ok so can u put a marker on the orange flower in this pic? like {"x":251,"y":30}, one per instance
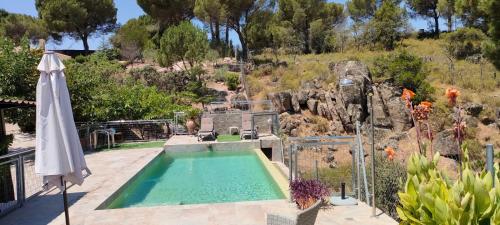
{"x":390,"y":152}
{"x":407,"y":95}
{"x":452,"y":95}
{"x":426,"y":104}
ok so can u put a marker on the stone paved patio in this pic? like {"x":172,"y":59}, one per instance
{"x":113,"y":168}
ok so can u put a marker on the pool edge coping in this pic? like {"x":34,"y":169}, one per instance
{"x":278,"y":177}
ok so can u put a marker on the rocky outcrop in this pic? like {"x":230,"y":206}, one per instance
{"x":347,"y":102}
{"x":389,"y":110}
{"x":282,"y":101}
{"x":445,"y":143}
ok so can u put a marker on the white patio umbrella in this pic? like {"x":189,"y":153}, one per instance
{"x":59,"y":155}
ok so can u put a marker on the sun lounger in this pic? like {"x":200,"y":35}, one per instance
{"x":247,"y":131}
{"x":207,"y":131}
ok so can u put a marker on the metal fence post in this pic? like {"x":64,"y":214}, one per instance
{"x":290,"y":163}
{"x":489,"y":161}
{"x":316,"y":169}
{"x":353,"y":158}
{"x":295,"y":152}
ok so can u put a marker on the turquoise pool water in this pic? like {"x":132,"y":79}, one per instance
{"x":199,"y":177}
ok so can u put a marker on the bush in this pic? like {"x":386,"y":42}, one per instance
{"x":406,"y":70}
{"x":220,"y":74}
{"x":232,"y":81}
{"x":464,"y":42}
{"x":388,"y":178}
{"x":429,"y":197}
{"x":18,"y":79}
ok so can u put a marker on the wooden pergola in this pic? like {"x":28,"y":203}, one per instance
{"x":11,"y":103}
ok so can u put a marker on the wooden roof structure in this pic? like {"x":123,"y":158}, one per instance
{"x":14,"y":103}
{"x":11,"y":103}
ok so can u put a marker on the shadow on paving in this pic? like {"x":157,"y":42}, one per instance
{"x":41,"y":209}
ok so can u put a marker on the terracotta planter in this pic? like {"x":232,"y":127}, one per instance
{"x":191,"y":126}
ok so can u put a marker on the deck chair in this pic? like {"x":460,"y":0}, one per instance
{"x":247,"y":131}
{"x":306,"y":217}
{"x":207,"y":131}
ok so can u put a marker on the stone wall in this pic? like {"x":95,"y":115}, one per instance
{"x":222,"y":122}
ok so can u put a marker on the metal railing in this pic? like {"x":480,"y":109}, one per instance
{"x":18,"y":180}
{"x":107,"y":134}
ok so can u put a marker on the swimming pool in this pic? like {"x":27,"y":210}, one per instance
{"x":198,"y":177}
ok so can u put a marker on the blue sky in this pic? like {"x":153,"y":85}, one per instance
{"x":127,"y":9}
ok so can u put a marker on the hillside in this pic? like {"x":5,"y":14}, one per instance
{"x":479,"y":90}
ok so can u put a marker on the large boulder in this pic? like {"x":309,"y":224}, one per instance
{"x":445,"y":144}
{"x":282,"y":101}
{"x":323,"y":110}
{"x":312,"y":105}
{"x":389,"y":110}
{"x":473,"y":109}
{"x":357,"y":74}
{"x":295,"y":102}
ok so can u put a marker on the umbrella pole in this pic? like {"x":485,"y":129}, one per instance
{"x":65,"y":198}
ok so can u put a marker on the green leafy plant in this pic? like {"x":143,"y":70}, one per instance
{"x":232,"y":81}
{"x":7,"y":193}
{"x":406,"y":70}
{"x":464,"y":42}
{"x":429,"y":197}
{"x":388,"y":180}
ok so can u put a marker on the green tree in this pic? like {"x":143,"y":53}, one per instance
{"x":168,"y":12}
{"x":240,"y":13}
{"x":16,"y":26}
{"x":258,"y":30}
{"x":18,"y":78}
{"x":134,"y":36}
{"x":138,"y":30}
{"x":389,"y":24}
{"x":473,"y":13}
{"x":492,"y":47}
{"x":185,"y":43}
{"x":464,"y":42}
{"x":361,"y":10}
{"x":426,"y":8}
{"x":212,"y":13}
{"x":301,"y":13}
{"x":79,"y":19}
{"x":447,"y":9}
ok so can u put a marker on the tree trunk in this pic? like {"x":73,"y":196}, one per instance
{"x":85,"y":42}
{"x":436,"y":23}
{"x":217,"y":32}
{"x":307,"y":48}
{"x":450,"y":23}
{"x":241,"y":36}
{"x":212,"y":30}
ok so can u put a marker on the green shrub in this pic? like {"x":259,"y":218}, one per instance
{"x":232,"y":81}
{"x":18,"y":79}
{"x":388,"y":178}
{"x":429,"y":197}
{"x":406,"y":70}
{"x":464,"y":42}
{"x":7,"y":194}
{"x":220,"y":74}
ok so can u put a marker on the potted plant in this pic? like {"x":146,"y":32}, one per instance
{"x":306,"y":193}
{"x":192,"y":116}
